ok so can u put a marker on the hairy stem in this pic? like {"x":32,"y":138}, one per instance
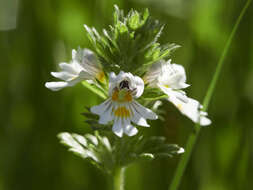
{"x":194,"y":135}
{"x":118,"y":178}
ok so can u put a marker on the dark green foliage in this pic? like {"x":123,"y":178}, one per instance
{"x":130,"y":44}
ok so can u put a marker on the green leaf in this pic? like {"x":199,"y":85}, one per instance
{"x":134,"y":20}
{"x":107,"y":154}
{"x":130,"y":44}
{"x":94,"y":148}
{"x":163,"y":155}
{"x":147,"y":156}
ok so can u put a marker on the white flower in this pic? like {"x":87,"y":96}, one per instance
{"x":167,"y":74}
{"x":121,"y":107}
{"x":171,"y":78}
{"x":84,"y":66}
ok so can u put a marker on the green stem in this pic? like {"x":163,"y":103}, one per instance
{"x":95,"y":90}
{"x":118,"y":178}
{"x":194,"y":135}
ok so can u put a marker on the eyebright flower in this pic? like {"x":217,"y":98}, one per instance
{"x":83,"y":66}
{"x":171,"y":78}
{"x":121,"y":107}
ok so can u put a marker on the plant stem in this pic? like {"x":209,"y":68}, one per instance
{"x":194,"y":135}
{"x":118,"y":178}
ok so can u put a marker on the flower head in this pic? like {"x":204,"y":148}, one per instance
{"x":166,"y":74}
{"x":171,"y":78}
{"x":83,"y":66}
{"x":121,"y":107}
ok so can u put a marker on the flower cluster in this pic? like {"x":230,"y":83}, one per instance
{"x":127,"y":64}
{"x":124,"y":88}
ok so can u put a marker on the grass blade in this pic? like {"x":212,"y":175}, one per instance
{"x":194,"y":135}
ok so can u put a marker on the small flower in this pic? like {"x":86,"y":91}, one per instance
{"x":121,"y":107}
{"x":166,"y":74}
{"x":84,"y":66}
{"x":171,"y":78}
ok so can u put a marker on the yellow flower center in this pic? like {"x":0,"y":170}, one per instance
{"x":122,"y":96}
{"x":122,"y":112}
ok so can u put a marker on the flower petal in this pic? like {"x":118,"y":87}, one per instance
{"x":151,"y":77}
{"x":192,"y":111}
{"x":90,"y":57}
{"x":85,"y":75}
{"x":106,"y":116}
{"x":74,"y":54}
{"x":172,"y":75}
{"x":112,"y":82}
{"x":204,"y":121}
{"x":179,"y":69}
{"x":100,"y":109}
{"x":137,"y":117}
{"x":89,"y":61}
{"x":118,"y":127}
{"x":138,"y":84}
{"x":167,"y":74}
{"x":188,"y":107}
{"x":129,"y":129}
{"x":55,"y":86}
{"x":63,"y":75}
{"x":144,"y":112}
{"x":69,"y":68}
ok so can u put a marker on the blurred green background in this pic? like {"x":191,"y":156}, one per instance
{"x":36,"y":35}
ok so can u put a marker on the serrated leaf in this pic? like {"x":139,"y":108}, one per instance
{"x":164,"y":148}
{"x":145,"y":16}
{"x":80,"y":139}
{"x":103,"y":154}
{"x":131,"y":42}
{"x":163,"y":155}
{"x":91,"y":139}
{"x":89,"y":115}
{"x":147,"y":156}
{"x":134,"y":20}
{"x":67,"y":140}
{"x":122,"y":28}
